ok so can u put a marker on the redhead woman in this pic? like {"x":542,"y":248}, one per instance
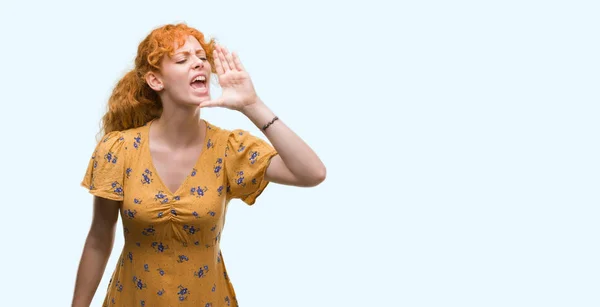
{"x":170,"y":174}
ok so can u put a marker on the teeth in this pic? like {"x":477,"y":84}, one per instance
{"x":199,"y":78}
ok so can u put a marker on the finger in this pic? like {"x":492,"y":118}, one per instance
{"x":237,"y":62}
{"x":229,"y":58}
{"x":218,"y":64}
{"x":224,"y":62}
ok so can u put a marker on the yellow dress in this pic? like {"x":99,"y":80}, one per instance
{"x":171,"y":254}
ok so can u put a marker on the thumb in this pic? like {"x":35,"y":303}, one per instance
{"x":211,"y":103}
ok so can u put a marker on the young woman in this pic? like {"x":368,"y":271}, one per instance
{"x":170,"y":174}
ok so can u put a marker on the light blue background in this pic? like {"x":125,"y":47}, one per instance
{"x":460,"y":137}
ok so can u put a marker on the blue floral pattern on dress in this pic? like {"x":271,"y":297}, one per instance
{"x":171,"y":255}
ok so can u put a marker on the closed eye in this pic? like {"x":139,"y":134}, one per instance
{"x":183,"y":61}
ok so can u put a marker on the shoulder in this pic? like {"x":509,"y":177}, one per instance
{"x":233,"y":138}
{"x":122,"y":137}
{"x":219,"y":134}
{"x":133,"y":133}
{"x":110,"y":140}
{"x":118,"y":141}
{"x":216,"y":131}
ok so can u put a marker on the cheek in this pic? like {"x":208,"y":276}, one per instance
{"x":177,"y":79}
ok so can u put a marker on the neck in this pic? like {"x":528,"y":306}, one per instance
{"x":179,"y":127}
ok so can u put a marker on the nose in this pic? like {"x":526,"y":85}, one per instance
{"x":198,"y":62}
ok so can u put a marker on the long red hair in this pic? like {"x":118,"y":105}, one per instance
{"x":133,"y":103}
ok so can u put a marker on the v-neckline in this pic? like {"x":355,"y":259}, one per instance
{"x":185,"y":180}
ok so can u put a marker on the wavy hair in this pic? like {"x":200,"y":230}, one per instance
{"x":133,"y":103}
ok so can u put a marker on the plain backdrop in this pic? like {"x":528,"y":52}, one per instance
{"x":460,"y":139}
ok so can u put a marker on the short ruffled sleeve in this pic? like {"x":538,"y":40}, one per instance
{"x":246,"y":160}
{"x":105,"y":172}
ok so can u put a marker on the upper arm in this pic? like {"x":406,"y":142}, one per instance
{"x":278,"y":172}
{"x":105,"y":216}
{"x":104,"y":178}
{"x":105,"y":174}
{"x":246,"y":159}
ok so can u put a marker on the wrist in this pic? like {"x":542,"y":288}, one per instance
{"x":254,"y":107}
{"x":258,"y":113}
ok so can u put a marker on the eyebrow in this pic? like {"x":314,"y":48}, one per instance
{"x":187,"y":52}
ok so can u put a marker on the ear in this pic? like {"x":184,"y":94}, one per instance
{"x":154,"y":81}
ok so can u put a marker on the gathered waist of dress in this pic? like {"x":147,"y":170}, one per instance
{"x":169,"y":247}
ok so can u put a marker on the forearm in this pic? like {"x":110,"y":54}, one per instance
{"x":298,"y":157}
{"x":91,"y":268}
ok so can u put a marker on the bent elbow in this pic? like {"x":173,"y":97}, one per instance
{"x":319,"y":177}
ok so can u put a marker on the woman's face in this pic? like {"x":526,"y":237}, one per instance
{"x":185,"y":75}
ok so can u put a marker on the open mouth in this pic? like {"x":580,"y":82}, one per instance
{"x":199,"y":82}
